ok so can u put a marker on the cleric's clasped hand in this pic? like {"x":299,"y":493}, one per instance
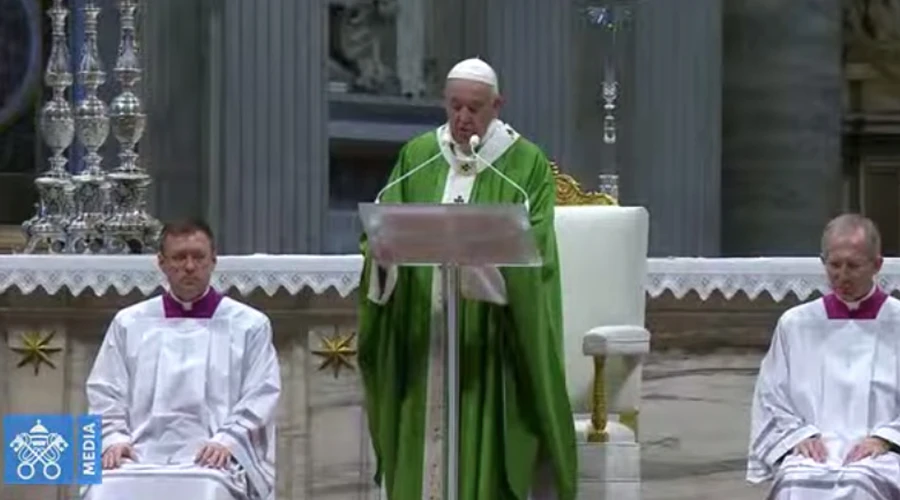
{"x":213,"y":455}
{"x":812,"y":447}
{"x":116,"y":454}
{"x":870,"y":447}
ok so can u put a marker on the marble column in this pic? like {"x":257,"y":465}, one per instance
{"x":675,"y":145}
{"x":528,"y":42}
{"x":454,"y":30}
{"x":268,"y":143}
{"x":782,"y":125}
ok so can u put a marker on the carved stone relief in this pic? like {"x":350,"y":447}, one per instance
{"x":377,"y":47}
{"x":872,"y":34}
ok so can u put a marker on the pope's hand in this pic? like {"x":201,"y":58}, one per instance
{"x":213,"y":455}
{"x":814,"y":448}
{"x":868,"y":447}
{"x":114,"y":455}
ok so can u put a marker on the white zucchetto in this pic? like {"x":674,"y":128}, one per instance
{"x":475,"y":70}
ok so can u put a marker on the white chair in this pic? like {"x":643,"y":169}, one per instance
{"x":603,"y":264}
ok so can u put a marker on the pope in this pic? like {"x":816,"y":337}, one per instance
{"x":517,"y":437}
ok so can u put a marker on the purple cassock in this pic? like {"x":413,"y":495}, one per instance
{"x":202,"y":308}
{"x":867,"y":308}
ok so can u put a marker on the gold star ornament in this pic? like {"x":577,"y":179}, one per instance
{"x":36,"y":350}
{"x":336,"y":352}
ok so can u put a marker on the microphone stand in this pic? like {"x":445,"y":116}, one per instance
{"x":474,"y":141}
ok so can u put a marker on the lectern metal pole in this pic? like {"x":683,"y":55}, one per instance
{"x":450,"y":280}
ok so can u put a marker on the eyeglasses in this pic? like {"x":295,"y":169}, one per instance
{"x":183,"y":259}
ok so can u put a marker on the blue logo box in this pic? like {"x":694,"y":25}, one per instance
{"x":53,"y":449}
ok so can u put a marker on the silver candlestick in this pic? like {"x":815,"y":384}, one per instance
{"x":46,"y":230}
{"x":92,"y":128}
{"x":610,"y":93}
{"x":609,"y":185}
{"x":610,"y":20}
{"x":129,"y":228}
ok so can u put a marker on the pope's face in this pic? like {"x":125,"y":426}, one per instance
{"x":851,"y":265}
{"x":470,"y":106}
{"x":188,"y":261}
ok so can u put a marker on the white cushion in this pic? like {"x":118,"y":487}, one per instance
{"x":603,"y":264}
{"x":617,"y":340}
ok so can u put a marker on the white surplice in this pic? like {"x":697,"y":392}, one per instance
{"x":838,"y":378}
{"x":170,"y":385}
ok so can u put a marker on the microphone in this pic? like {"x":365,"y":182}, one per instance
{"x":474,"y":142}
{"x":400,"y":179}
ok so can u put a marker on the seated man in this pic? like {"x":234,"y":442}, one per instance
{"x":186,"y":384}
{"x":826,"y":410}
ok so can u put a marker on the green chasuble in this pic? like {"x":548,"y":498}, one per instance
{"x":514,"y":403}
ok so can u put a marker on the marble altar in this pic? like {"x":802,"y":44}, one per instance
{"x":710,"y":320}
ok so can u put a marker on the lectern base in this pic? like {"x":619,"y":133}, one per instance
{"x":450,"y":235}
{"x":450,"y":283}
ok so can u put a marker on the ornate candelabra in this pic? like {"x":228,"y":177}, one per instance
{"x":129,"y":227}
{"x":92,"y":129}
{"x":93,"y":211}
{"x":46,"y":231}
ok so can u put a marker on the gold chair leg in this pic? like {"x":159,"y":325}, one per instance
{"x":598,"y":432}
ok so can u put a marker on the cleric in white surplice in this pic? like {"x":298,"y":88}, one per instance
{"x":826,"y":409}
{"x":187,"y":384}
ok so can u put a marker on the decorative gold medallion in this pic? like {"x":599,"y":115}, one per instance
{"x":36,"y":350}
{"x":336,"y":352}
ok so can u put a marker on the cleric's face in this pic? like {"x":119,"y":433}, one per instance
{"x":851,"y":266}
{"x":470,"y":106}
{"x":187,"y":261}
